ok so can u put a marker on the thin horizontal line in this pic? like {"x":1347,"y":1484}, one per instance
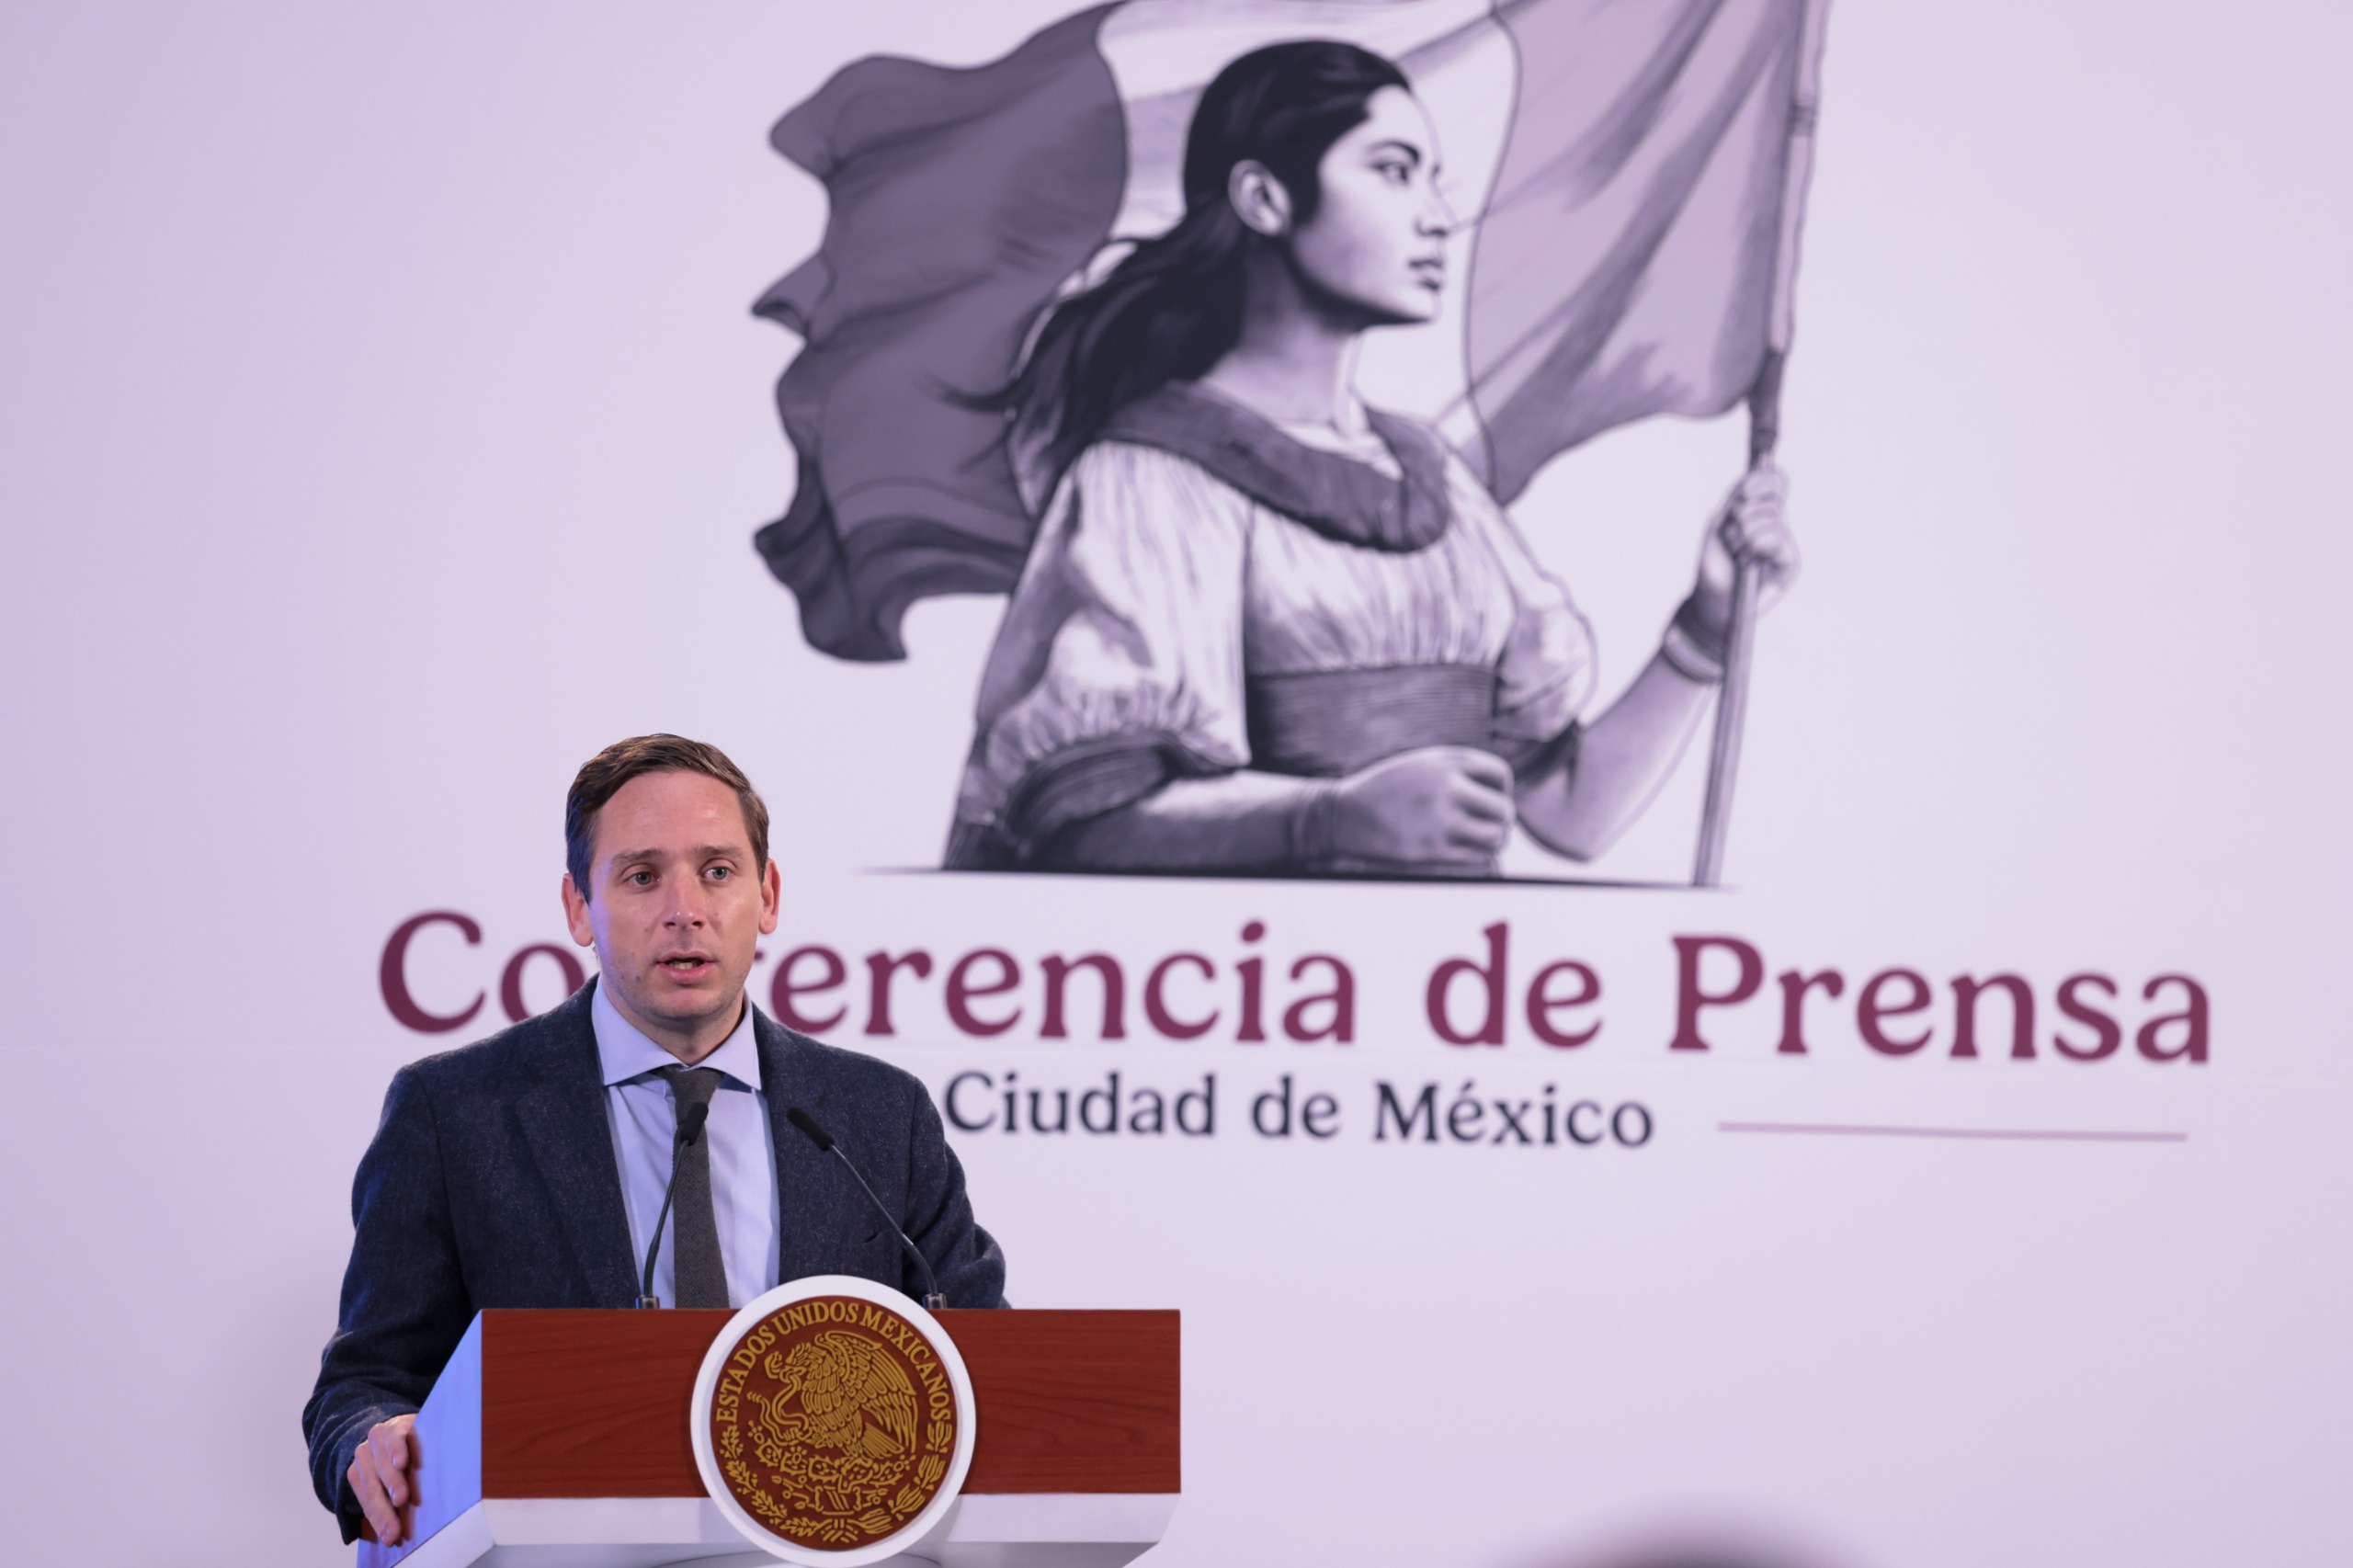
{"x":1332,"y":878}
{"x":2013,"y":1134}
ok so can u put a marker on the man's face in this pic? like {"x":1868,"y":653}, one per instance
{"x":676,"y":903}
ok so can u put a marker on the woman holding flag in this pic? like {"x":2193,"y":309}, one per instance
{"x":1263,"y":627}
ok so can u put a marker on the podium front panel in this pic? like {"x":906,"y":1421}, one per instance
{"x":561,"y":1437}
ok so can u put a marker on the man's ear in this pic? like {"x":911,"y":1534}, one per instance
{"x":575,"y":914}
{"x":771,"y":897}
{"x":1260,"y":198}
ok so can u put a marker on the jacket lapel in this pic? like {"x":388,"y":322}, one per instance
{"x":564,"y":1121}
{"x":813,"y":1220}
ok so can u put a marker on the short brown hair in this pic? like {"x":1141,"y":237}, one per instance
{"x":601,"y":776}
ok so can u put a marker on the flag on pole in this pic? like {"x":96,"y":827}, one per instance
{"x":1618,"y":168}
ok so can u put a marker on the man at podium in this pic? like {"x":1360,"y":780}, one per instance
{"x":531,"y":1169}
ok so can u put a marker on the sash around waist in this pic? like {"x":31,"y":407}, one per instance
{"x":1320,"y":723}
{"x":1324,"y":724}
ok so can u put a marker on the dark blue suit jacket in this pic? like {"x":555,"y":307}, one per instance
{"x":492,"y":1182}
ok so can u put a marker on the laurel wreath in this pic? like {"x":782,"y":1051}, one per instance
{"x":798,"y":1517}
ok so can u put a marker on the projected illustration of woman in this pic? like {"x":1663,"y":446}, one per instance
{"x":1263,"y":627}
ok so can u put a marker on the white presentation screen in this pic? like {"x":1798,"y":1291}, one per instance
{"x":1616,"y":729}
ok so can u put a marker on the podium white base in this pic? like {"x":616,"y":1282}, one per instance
{"x":981,"y":1530}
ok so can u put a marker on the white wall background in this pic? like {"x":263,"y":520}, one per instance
{"x":383,"y":430}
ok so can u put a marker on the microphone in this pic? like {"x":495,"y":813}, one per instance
{"x":825,"y":1142}
{"x":690,"y":1122}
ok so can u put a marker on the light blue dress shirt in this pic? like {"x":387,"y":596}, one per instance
{"x":742,"y":1152}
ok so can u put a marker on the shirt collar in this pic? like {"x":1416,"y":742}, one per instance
{"x":623,"y":1052}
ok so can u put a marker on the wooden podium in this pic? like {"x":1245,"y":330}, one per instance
{"x":559,"y":1440}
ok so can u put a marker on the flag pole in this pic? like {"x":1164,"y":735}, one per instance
{"x":1764,"y":433}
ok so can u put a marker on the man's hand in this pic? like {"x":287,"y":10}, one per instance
{"x":381,"y":1474}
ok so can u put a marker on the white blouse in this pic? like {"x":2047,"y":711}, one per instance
{"x":1154,"y":588}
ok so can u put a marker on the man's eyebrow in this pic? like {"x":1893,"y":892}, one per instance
{"x":700,"y":852}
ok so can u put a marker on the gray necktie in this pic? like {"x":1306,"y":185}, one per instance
{"x":700,"y":1278}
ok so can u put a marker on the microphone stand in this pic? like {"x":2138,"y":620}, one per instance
{"x":932,"y":1297}
{"x":689,"y":1129}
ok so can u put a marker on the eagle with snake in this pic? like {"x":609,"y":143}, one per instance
{"x":852,"y":1395}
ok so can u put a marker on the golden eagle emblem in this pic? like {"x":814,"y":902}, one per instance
{"x":833,"y":1423}
{"x":852,"y":1396}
